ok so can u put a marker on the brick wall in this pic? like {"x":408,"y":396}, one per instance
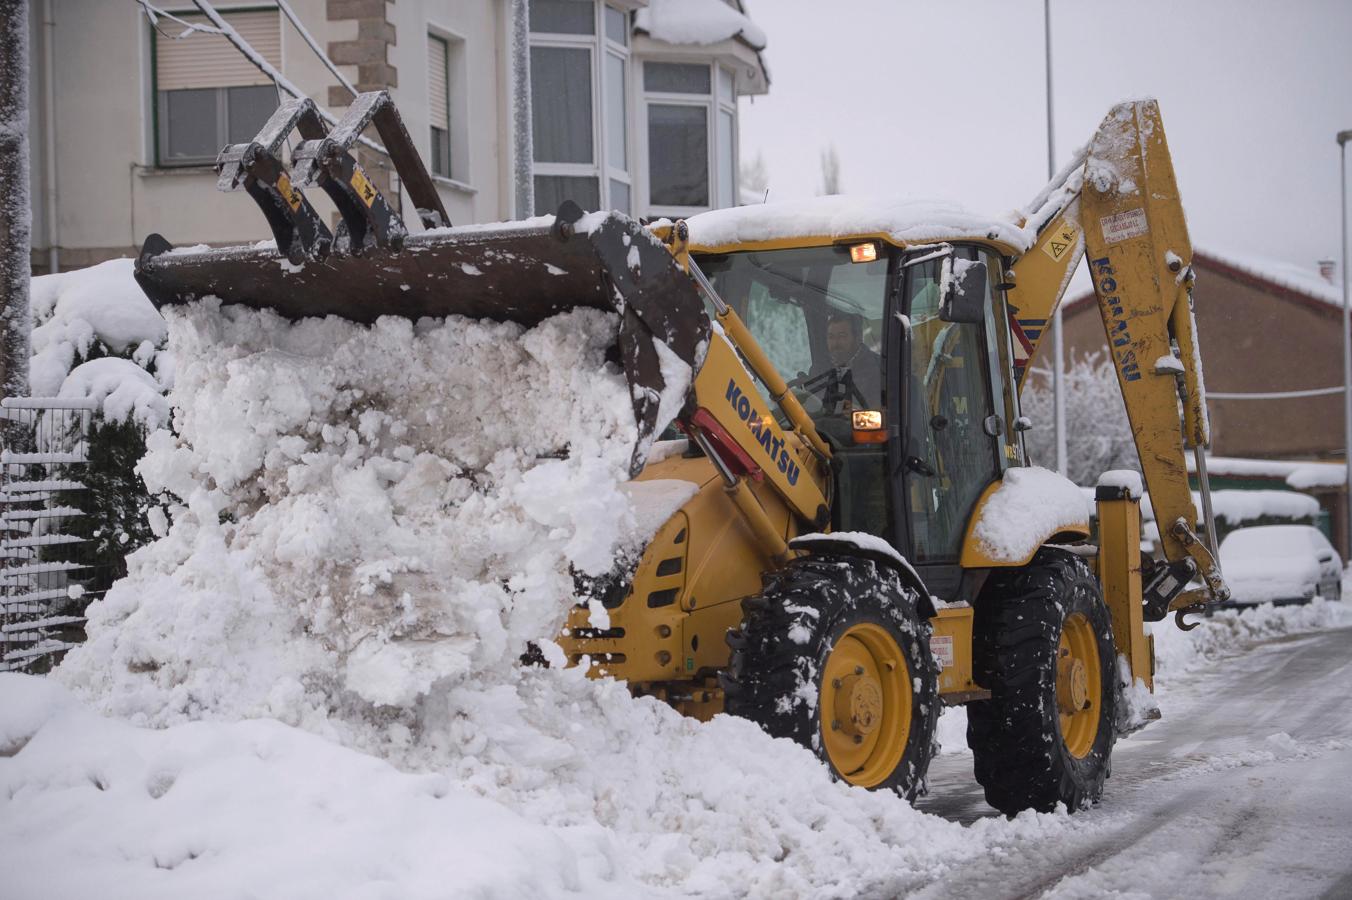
{"x":369,"y":52}
{"x":1254,"y":337}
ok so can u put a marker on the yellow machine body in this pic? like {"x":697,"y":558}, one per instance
{"x":1118,"y":206}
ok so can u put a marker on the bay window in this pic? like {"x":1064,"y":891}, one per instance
{"x":579,"y":59}
{"x":691,"y":136}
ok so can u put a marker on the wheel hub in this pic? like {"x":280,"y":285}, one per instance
{"x":1072,"y":685}
{"x":861,"y":696}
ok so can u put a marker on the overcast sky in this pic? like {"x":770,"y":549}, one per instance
{"x":947,"y":100}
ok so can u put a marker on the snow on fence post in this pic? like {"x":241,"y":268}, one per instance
{"x":46,"y":563}
{"x":15,"y":213}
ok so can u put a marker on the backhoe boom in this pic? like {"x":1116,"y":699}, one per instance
{"x":1118,"y":203}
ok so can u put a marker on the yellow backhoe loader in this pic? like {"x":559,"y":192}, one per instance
{"x":840,"y":379}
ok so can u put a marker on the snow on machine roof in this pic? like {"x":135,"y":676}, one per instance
{"x":836,"y":218}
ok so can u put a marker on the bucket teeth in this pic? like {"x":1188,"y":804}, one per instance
{"x":297,"y":228}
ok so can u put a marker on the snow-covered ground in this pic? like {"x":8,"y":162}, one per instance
{"x":309,"y":685}
{"x":621,"y":798}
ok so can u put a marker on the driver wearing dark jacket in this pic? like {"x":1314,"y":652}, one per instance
{"x":857,"y":370}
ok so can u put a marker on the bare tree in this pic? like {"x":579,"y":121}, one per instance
{"x":15,"y":210}
{"x":830,"y":171}
{"x":1098,"y":434}
{"x":754,"y":177}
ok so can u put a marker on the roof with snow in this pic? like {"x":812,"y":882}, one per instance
{"x":1299,"y":474}
{"x":1301,"y":283}
{"x":706,"y":23}
{"x":698,"y":22}
{"x":844,"y":217}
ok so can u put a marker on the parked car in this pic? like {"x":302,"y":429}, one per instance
{"x":1280,"y":564}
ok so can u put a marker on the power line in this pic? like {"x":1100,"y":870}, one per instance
{"x":1274,"y":395}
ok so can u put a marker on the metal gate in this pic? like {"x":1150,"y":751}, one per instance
{"x":46,"y":559}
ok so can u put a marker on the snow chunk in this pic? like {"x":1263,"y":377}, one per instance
{"x":700,"y":22}
{"x":1031,"y":504}
{"x":123,"y":390}
{"x":655,"y":501}
{"x":1168,"y":364}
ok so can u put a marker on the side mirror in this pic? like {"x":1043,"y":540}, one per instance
{"x":963,"y":286}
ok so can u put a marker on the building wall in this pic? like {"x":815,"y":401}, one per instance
{"x":1254,"y":340}
{"x":111,"y":194}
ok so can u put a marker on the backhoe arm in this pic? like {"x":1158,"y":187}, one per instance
{"x":1121,"y":209}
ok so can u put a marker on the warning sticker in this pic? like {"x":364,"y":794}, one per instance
{"x":1124,"y":225}
{"x":1061,"y":240}
{"x":941,"y":645}
{"x":365,"y":190}
{"x":289,"y":193}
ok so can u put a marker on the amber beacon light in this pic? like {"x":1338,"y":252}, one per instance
{"x":867,"y":425}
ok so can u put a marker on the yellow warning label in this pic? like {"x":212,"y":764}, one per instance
{"x":362,"y":185}
{"x":289,"y":193}
{"x":1060,"y":240}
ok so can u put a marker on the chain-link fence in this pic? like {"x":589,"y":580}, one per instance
{"x":49,"y":570}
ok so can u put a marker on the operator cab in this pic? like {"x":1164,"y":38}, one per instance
{"x":897,"y":357}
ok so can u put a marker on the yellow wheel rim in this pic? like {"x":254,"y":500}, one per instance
{"x":1079,"y":685}
{"x":865,"y":705}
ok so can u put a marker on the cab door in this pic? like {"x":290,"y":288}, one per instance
{"x":953,"y":434}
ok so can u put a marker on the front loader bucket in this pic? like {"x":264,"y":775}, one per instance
{"x":523,"y":273}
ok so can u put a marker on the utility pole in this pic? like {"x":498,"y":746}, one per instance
{"x":1058,"y":340}
{"x":16,"y":217}
{"x":1343,"y":138}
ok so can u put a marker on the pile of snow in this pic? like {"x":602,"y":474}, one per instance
{"x":362,"y":513}
{"x":368,"y":530}
{"x":75,"y":311}
{"x":1229,"y":632}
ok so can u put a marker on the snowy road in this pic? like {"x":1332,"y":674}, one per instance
{"x":1243,"y":789}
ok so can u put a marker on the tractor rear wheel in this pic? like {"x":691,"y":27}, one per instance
{"x":1043,"y":645}
{"x":834,"y":655}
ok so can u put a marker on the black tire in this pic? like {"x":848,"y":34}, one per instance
{"x":808,"y":620}
{"x":1021,"y":756}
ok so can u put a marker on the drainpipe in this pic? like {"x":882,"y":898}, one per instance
{"x":523,"y":149}
{"x":49,"y":134}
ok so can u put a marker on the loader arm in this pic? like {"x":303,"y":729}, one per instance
{"x":1117,"y":203}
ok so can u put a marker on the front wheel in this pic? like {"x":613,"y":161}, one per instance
{"x":834,"y":655}
{"x":1044,"y":647}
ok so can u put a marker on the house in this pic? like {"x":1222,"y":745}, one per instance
{"x":515,"y":105}
{"x":1264,"y":327}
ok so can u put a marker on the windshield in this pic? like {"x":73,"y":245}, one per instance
{"x":817,"y":315}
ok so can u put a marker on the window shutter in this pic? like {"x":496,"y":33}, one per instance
{"x":210,"y":60}
{"x":438,"y":105}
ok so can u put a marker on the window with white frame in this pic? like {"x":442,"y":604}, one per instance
{"x":691,"y":136}
{"x":439,"y":103}
{"x":207,"y":94}
{"x":579,"y":65}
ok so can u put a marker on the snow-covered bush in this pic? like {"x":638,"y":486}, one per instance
{"x":97,"y":337}
{"x":1098,"y":435}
